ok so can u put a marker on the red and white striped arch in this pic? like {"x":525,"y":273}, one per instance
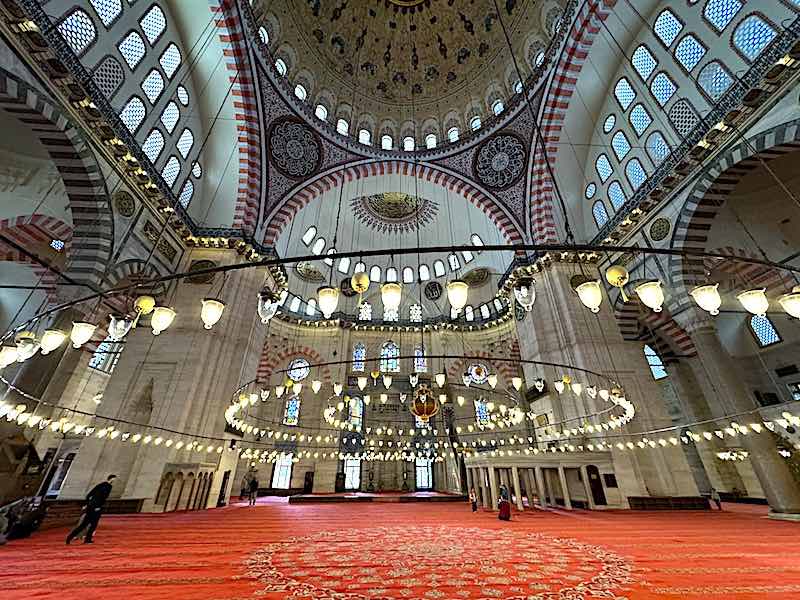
{"x":272,"y":360}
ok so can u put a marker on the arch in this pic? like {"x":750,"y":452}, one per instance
{"x":135,"y":269}
{"x":584,"y":30}
{"x":236,"y":52}
{"x":506,"y":370}
{"x":291,"y":204}
{"x":88,"y":201}
{"x":272,"y":359}
{"x":708,"y":196}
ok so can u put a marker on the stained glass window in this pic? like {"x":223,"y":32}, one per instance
{"x":153,"y":145}
{"x":183,"y":95}
{"x":186,"y":193}
{"x":635,"y":173}
{"x":170,"y":60}
{"x":624,"y":93}
{"x":662,"y":88}
{"x":600,"y":213}
{"x":591,"y":190}
{"x":764,"y":330}
{"x":657,"y":147}
{"x":714,"y":80}
{"x":359,"y":356}
{"x":420,"y":361}
{"x":482,"y":417}
{"x":153,"y":24}
{"x":752,"y":35}
{"x":107,"y":10}
{"x":171,"y":170}
{"x":106,"y":357}
{"x":197,"y":170}
{"x":609,"y":123}
{"x":78,"y":30}
{"x":603,"y":167}
{"x":644,"y":62}
{"x":640,"y":119}
{"x":153,"y":85}
{"x":132,"y":49}
{"x":620,"y":145}
{"x":170,"y":116}
{"x":656,"y":365}
{"x":667,"y":27}
{"x":720,"y":13}
{"x":292,"y":415}
{"x":133,"y":114}
{"x":185,"y":143}
{"x":689,"y":52}
{"x":390,"y":357}
{"x":616,"y":195}
{"x":298,"y":369}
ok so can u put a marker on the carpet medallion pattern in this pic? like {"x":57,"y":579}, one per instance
{"x":402,"y":562}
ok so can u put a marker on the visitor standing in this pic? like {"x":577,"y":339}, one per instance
{"x":253,"y":490}
{"x":95,"y":502}
{"x":716,"y":499}
{"x":473,"y":500}
{"x":504,"y":505}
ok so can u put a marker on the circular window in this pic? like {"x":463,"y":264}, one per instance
{"x":298,"y":369}
{"x":478,"y":373}
{"x":591,"y":189}
{"x":659,"y":229}
{"x":611,"y":120}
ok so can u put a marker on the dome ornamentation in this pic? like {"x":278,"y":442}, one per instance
{"x":394,"y":212}
{"x":295,"y":150}
{"x":501,"y":161}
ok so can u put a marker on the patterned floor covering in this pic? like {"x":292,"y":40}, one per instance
{"x":413,"y":551}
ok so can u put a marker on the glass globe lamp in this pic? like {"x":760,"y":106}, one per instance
{"x":81,"y":333}
{"x":52,"y":339}
{"x":525,"y":294}
{"x":591,"y":295}
{"x":707,"y":298}
{"x":651,"y":294}
{"x":211,"y":312}
{"x":391,"y":294}
{"x":327,"y":300}
{"x":162,"y":318}
{"x":791,"y":302}
{"x":754,"y":301}
{"x":457,"y":293}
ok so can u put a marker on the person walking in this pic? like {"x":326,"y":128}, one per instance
{"x":253,"y":490}
{"x":716,"y":499}
{"x":473,"y":500}
{"x":95,"y":502}
{"x":504,"y":506}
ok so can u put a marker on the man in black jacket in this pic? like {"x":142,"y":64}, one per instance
{"x":95,"y":501}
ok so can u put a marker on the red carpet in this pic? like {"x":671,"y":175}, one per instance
{"x":414,"y":551}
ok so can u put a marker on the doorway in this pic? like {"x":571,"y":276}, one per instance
{"x":596,"y":485}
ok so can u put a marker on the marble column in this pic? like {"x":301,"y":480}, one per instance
{"x":540,"y":487}
{"x":587,"y":487}
{"x":530,"y":486}
{"x":719,"y":376}
{"x":562,"y":478}
{"x":517,"y":489}
{"x":469,"y":481}
{"x":493,"y":487}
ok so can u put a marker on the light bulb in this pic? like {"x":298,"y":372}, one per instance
{"x":440,"y":379}
{"x":754,"y":301}
{"x":327,"y":300}
{"x":413,"y":379}
{"x":517,"y":383}
{"x":791,"y":302}
{"x":52,"y":339}
{"x":492,"y":380}
{"x":367,"y":399}
{"x":591,"y":295}
{"x":559,"y":385}
{"x":442,"y":398}
{"x":81,"y":333}
{"x":279,"y":389}
{"x":337,"y":389}
{"x":297,"y":388}
{"x":707,"y":298}
{"x":466,"y":378}
{"x":651,"y":294}
{"x":316,"y":385}
{"x":525,"y":294}
{"x":362,"y":382}
{"x":161,"y":319}
{"x":577,"y":388}
{"x":267,"y":305}
{"x":391,"y":294}
{"x":460,"y":400}
{"x":119,"y":327}
{"x":384,"y":398}
{"x":387,"y":381}
{"x":8,"y":355}
{"x":457,"y":293}
{"x":210,"y":313}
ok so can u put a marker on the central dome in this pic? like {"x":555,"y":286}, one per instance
{"x":450,"y":56}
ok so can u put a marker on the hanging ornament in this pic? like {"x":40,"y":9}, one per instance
{"x":391,"y":294}
{"x":440,"y":379}
{"x":327,"y":300}
{"x":754,"y":301}
{"x":591,"y":295}
{"x":591,"y":391}
{"x":316,"y":385}
{"x":337,"y":389}
{"x":618,"y":276}
{"x":360,"y":282}
{"x":211,"y":312}
{"x":651,"y":294}
{"x":466,"y":378}
{"x":267,"y":305}
{"x":559,"y":385}
{"x":264,"y":395}
{"x":791,"y":302}
{"x":387,"y":381}
{"x":81,"y":333}
{"x":492,"y":380}
{"x":119,"y":327}
{"x":525,"y":293}
{"x":162,"y":318}
{"x":279,"y":390}
{"x":8,"y":355}
{"x":538,"y":383}
{"x":577,"y":388}
{"x":27,"y":345}
{"x":375,"y":374}
{"x":413,"y":379}
{"x":51,"y":340}
{"x":144,"y":305}
{"x":362,"y":382}
{"x":457,"y":294}
{"x":460,"y":400}
{"x":517,"y":383}
{"x":403,"y":397}
{"x":707,"y":298}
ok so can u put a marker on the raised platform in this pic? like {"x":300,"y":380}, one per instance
{"x":349,"y":497}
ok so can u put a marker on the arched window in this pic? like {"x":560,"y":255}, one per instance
{"x":355,"y":411}
{"x":624,"y":93}
{"x":438,"y":268}
{"x":352,"y":473}
{"x":183,"y":95}
{"x":78,"y":30}
{"x":640,"y":119}
{"x":153,"y":145}
{"x":171,"y":170}
{"x":452,"y":135}
{"x":309,"y":235}
{"x":599,"y":213}
{"x":453,"y":261}
{"x":420,"y":361}
{"x":634,"y":172}
{"x":197,"y":170}
{"x":360,"y":267}
{"x":476,"y":240}
{"x":467,"y":256}
{"x":109,"y":76}
{"x":424,"y":273}
{"x":609,"y":123}
{"x":391,"y":274}
{"x":321,"y":112}
{"x":365,"y":311}
{"x":300,"y":92}
{"x":390,"y":361}
{"x":518,"y":87}
{"x":318,"y":246}
{"x":282,"y":472}
{"x":153,"y":24}
{"x":538,"y":59}
{"x":186,"y":193}
{"x":751,"y":36}
{"x":375,"y":273}
{"x":264,"y":35}
{"x":616,"y":195}
{"x":342,"y":126}
{"x":294,"y":305}
{"x":415,"y":313}
{"x":430,"y":141}
{"x":311,"y":307}
{"x":662,"y":88}
{"x":359,"y":355}
{"x":106,"y":357}
{"x":482,"y":417}
{"x":590,"y":190}
{"x":170,"y":116}
{"x":423,"y":472}
{"x":132,"y":49}
{"x":603,"y":167}
{"x":387,"y":143}
{"x":328,"y":260}
{"x":408,"y":275}
{"x":667,"y":27}
{"x":469,"y":313}
{"x":280,"y":67}
{"x":657,"y":147}
{"x":153,"y":85}
{"x":498,"y":304}
{"x":475,"y":123}
{"x":714,"y":80}
{"x":764,"y":331}
{"x":497,"y":106}
{"x":298,"y":369}
{"x":365,"y":137}
{"x":185,"y":143}
{"x":719,"y":13}
{"x":656,"y":365}
{"x":643,"y":61}
{"x":107,"y":10}
{"x":170,"y":60}
{"x":485,"y":311}
{"x":689,"y":52}
{"x":620,"y":145}
{"x":344,"y":265}
{"x":683,"y":117}
{"x":408,"y":143}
